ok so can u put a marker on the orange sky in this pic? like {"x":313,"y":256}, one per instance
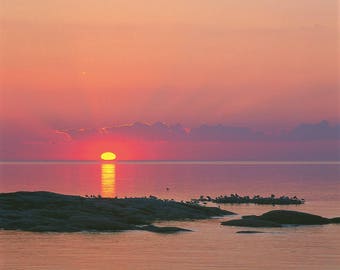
{"x":259,"y":63}
{"x":263,"y":64}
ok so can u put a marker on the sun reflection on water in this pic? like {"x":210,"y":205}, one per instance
{"x":108,"y":180}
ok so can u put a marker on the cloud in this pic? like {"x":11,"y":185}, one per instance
{"x":137,"y":131}
{"x":224,"y":133}
{"x":215,"y":133}
{"x":318,"y":141}
{"x":31,"y":141}
{"x":319,"y":131}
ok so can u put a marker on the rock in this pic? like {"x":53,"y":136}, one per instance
{"x":293,"y":217}
{"x":250,"y":222}
{"x":237,"y":199}
{"x":152,"y":228}
{"x":250,"y":232}
{"x":46,"y":211}
{"x":335,"y":220}
{"x":279,"y":218}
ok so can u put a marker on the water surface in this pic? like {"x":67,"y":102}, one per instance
{"x":210,"y":246}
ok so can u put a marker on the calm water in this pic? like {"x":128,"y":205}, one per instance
{"x":210,"y":246}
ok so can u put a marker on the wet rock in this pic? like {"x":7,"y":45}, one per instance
{"x":46,"y":211}
{"x":157,"y":229}
{"x":335,"y":220}
{"x":279,"y":218}
{"x":251,"y":222}
{"x":237,"y":199}
{"x":293,"y":217}
{"x":249,"y":232}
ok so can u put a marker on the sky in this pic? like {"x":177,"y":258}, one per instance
{"x":267,"y":65}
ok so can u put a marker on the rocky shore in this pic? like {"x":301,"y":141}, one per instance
{"x":257,"y":199}
{"x":51,"y":212}
{"x":43,"y":211}
{"x":280,"y":218}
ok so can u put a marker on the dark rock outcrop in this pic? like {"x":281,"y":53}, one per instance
{"x":153,"y":228}
{"x":279,"y":218}
{"x":335,"y":220}
{"x":293,"y":217}
{"x":249,"y":232}
{"x":251,"y":222}
{"x":52,"y":212}
{"x":237,"y":199}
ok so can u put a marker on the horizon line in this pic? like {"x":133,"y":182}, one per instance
{"x":202,"y":162}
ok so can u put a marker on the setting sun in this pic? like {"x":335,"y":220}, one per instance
{"x":108,"y":156}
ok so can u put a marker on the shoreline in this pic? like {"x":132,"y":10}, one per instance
{"x":43,"y":211}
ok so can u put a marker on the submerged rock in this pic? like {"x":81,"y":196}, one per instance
{"x":153,"y":228}
{"x":51,"y":212}
{"x":335,"y":220}
{"x":251,"y":222}
{"x":279,"y":218}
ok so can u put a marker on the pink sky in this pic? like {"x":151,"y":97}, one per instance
{"x":267,"y":64}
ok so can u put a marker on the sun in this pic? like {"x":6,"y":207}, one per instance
{"x":108,"y":156}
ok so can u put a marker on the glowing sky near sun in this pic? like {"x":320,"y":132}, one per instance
{"x":263,"y":64}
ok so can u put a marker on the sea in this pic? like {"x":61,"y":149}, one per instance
{"x":209,"y":245}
